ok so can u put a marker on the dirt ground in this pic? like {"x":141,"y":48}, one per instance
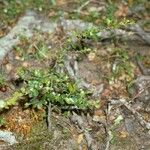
{"x":114,"y":68}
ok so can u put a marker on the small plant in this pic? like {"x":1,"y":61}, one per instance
{"x":44,"y":86}
{"x":77,"y":44}
{"x":2,"y":80}
{"x":110,"y":21}
{"x":27,"y":51}
{"x":2,"y":121}
{"x":122,"y":67}
{"x":41,"y":50}
{"x":89,"y":33}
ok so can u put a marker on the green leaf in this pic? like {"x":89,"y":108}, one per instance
{"x":72,"y":88}
{"x":69,"y":100}
{"x":2,"y":121}
{"x":2,"y":104}
{"x":118,"y":120}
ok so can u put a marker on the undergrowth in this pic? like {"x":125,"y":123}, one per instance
{"x":43,"y":86}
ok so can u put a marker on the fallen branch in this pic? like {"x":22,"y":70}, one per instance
{"x":140,"y":93}
{"x":108,"y":134}
{"x":108,"y":128}
{"x":142,"y":84}
{"x":82,"y":6}
{"x":142,"y":68}
{"x":78,"y":119}
{"x":49,"y":117}
{"x":134,"y":112}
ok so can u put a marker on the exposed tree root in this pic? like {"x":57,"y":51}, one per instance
{"x":73,"y":73}
{"x":79,"y":121}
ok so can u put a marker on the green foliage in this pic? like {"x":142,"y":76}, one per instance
{"x":89,"y":33}
{"x":49,"y":86}
{"x":2,"y":121}
{"x":36,"y":51}
{"x":41,"y":50}
{"x":13,"y":8}
{"x":93,"y":16}
{"x":76,"y":44}
{"x":110,"y":21}
{"x":2,"y":80}
{"x":5,"y":104}
{"x":13,"y":100}
{"x":122,"y":67}
{"x":10,"y":10}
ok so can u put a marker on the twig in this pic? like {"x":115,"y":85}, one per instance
{"x":107,"y":128}
{"x":139,"y":93}
{"x":142,"y":84}
{"x":82,"y":6}
{"x":78,"y":119}
{"x":134,"y":112}
{"x":142,"y":68}
{"x":108,"y":140}
{"x":49,"y":117}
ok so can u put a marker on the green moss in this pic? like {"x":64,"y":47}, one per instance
{"x":13,"y":100}
{"x":2,"y":80}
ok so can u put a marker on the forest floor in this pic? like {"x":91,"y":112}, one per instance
{"x":74,"y":75}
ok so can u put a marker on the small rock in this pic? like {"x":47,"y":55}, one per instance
{"x":91,"y":56}
{"x":8,"y":137}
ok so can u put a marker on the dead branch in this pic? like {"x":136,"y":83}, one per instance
{"x":78,"y":119}
{"x":142,"y":68}
{"x":142,"y":84}
{"x":49,"y":117}
{"x":134,"y":112}
{"x":140,"y":92}
{"x":82,"y":6}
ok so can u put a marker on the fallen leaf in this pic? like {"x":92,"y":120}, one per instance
{"x":118,"y":120}
{"x":80,"y":138}
{"x":3,"y":88}
{"x":122,"y":11}
{"x":130,"y":2}
{"x":123,"y":134}
{"x":17,"y":57}
{"x":84,"y":147}
{"x":106,"y":93}
{"x":25,"y":64}
{"x":9,"y":67}
{"x":61,"y":2}
{"x":95,"y":82}
{"x":91,"y":56}
{"x":98,"y":112}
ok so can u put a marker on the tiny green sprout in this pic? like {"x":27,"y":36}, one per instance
{"x":2,"y":121}
{"x":118,"y":120}
{"x":2,"y":80}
